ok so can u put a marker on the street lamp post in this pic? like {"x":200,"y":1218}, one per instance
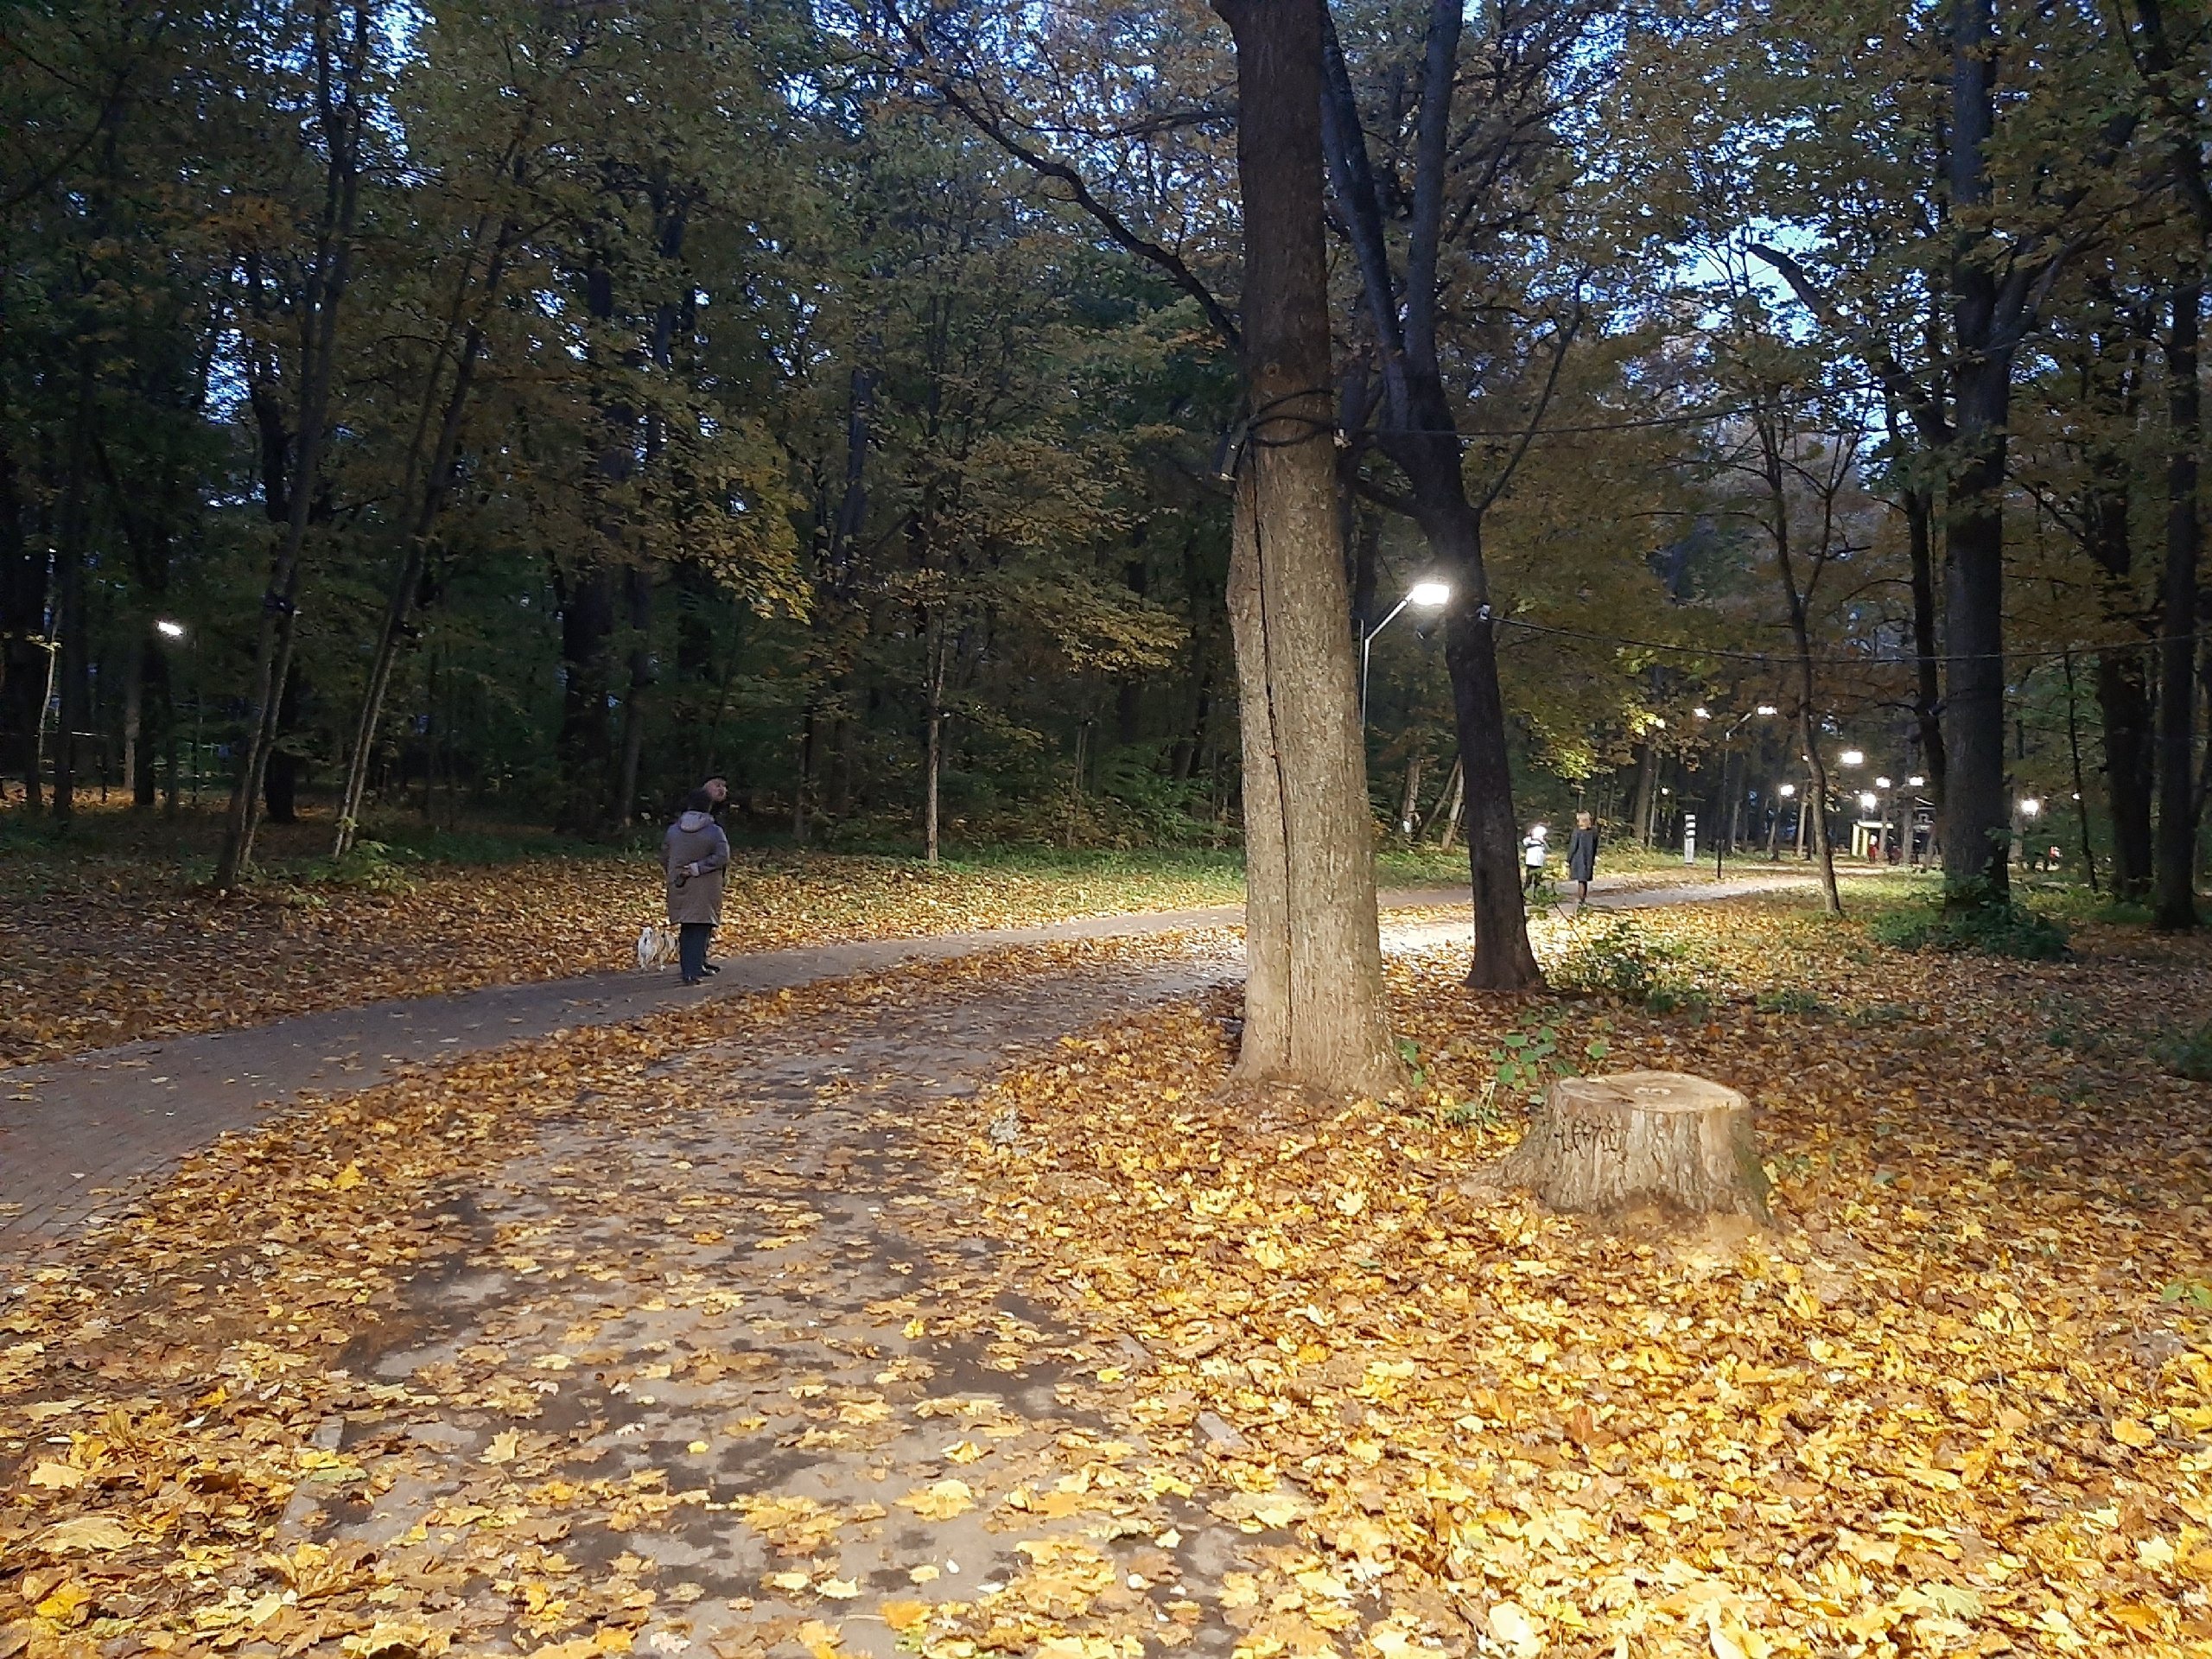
{"x":1720,"y":830}
{"x":1429,"y":596}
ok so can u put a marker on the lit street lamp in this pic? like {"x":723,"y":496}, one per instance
{"x":1428,"y":596}
{"x":1851,"y":758}
{"x":170,"y":630}
{"x":1722,"y":830}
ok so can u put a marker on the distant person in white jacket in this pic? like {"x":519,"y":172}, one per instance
{"x":1532,"y":852}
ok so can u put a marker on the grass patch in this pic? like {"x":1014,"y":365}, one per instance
{"x":2187,"y":1053}
{"x":1987,"y":929}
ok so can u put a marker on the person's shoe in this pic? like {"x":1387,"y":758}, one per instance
{"x":710,"y":968}
{"x":692,"y":979}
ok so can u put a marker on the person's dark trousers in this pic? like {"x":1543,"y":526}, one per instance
{"x":692,"y":940}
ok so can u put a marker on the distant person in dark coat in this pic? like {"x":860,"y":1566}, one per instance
{"x":693,"y":855}
{"x":1582,"y":857}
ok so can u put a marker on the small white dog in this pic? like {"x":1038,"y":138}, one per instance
{"x":656,"y":947}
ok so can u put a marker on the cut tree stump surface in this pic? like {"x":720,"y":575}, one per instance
{"x":1610,"y":1143}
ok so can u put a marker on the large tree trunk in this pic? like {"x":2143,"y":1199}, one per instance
{"x":1975,"y":820}
{"x":2175,"y":898}
{"x":2123,"y":682}
{"x":24,"y":564}
{"x":1423,"y":440}
{"x":637,"y":586}
{"x":343,"y":113}
{"x":72,"y":619}
{"x":1313,"y":997}
{"x":586,"y":749}
{"x":1927,"y":684}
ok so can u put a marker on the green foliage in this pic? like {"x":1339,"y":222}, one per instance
{"x":1984,"y":929}
{"x":372,"y":866}
{"x":1618,"y":956}
{"x":2187,"y":1053}
{"x":1790,"y":999}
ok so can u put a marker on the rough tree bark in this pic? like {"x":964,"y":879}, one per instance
{"x":342,"y":113}
{"x":2174,"y":906}
{"x":1422,"y":439}
{"x":1604,"y":1144}
{"x":1313,"y":993}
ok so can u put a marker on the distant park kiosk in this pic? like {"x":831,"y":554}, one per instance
{"x":1612,"y":1143}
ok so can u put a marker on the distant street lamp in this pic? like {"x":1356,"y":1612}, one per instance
{"x":1868,"y":800}
{"x":1722,"y":830}
{"x":1851,"y":758}
{"x":1787,"y":791}
{"x":170,"y":630}
{"x":1916,"y":780}
{"x":1428,"y":596}
{"x":2031,"y":808}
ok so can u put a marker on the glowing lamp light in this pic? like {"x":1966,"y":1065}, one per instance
{"x":1787,"y":791}
{"x":1915,"y":781}
{"x":1881,"y":783}
{"x":1851,"y":758}
{"x":1869,"y":800}
{"x":1769,"y":709}
{"x":170,"y":630}
{"x":2029,"y":808}
{"x":1429,"y":594}
{"x":1702,"y":712}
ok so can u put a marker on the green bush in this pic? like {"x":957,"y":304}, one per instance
{"x":1987,"y":929}
{"x":1617,"y":957}
{"x":2187,"y":1053}
{"x":1789,"y":1001}
{"x":375,"y":866}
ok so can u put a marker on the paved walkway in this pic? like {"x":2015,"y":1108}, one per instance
{"x":75,"y":1132}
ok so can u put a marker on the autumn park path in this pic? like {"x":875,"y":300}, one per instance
{"x":74,"y":1133}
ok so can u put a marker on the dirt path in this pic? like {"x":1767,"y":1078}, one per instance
{"x":75,"y":1135}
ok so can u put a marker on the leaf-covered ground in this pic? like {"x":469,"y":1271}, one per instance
{"x":762,"y":1328}
{"x":102,"y":949}
{"x":1960,"y":1400}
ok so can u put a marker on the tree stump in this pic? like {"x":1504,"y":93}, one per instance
{"x":1608,"y":1143}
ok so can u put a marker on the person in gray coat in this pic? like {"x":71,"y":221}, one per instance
{"x":1582,"y":857}
{"x":693,"y":855}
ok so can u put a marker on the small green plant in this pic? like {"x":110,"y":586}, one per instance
{"x":1790,"y":999}
{"x":1677,"y":999}
{"x":1409,"y":1052}
{"x":2187,"y":1053}
{"x":1619,"y":956}
{"x":1473,"y":1114}
{"x":1879,"y":1014}
{"x":376,"y":866}
{"x":1524,"y":1063}
{"x":2193,"y":1292}
{"x":1986,"y":928}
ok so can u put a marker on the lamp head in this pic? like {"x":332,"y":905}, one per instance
{"x":1429,"y":594}
{"x":170,"y":630}
{"x":1851,"y":758}
{"x":1768,"y":708}
{"x":1881,"y":783}
{"x":1915,"y":781}
{"x":1869,"y":800}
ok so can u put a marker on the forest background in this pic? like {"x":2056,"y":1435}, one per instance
{"x":522,"y":411}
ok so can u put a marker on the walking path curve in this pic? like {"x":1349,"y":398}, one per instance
{"x":73,"y":1133}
